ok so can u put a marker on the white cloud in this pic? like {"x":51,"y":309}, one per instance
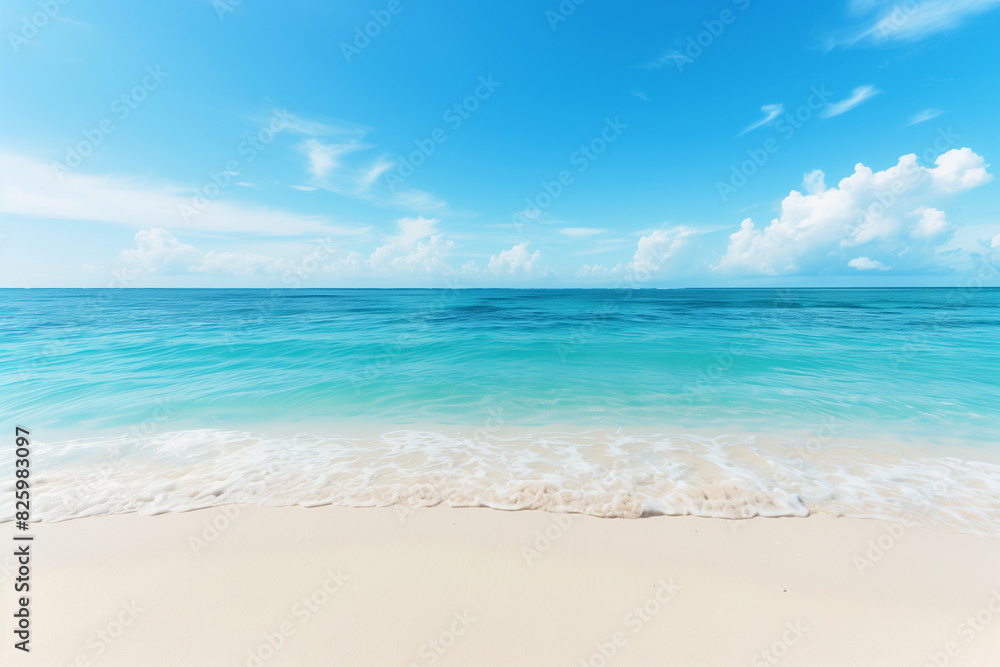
{"x":932,"y":223}
{"x":324,"y":158}
{"x":426,"y":257}
{"x":157,"y":251}
{"x":656,"y":256}
{"x":515,"y":262}
{"x":771,"y":111}
{"x":33,"y":189}
{"x":858,"y":95}
{"x":653,"y":252}
{"x":924,"y":116}
{"x":581,"y":232}
{"x":960,"y":169}
{"x":996,"y":242}
{"x":908,"y":21}
{"x":641,"y":95}
{"x":867,"y":264}
{"x":593,"y":271}
{"x":814,"y":182}
{"x":411,"y":230}
{"x":889,"y":209}
{"x":303,"y":188}
{"x":314,"y":128}
{"x":334,"y":161}
{"x":415,"y":250}
{"x":669,"y":57}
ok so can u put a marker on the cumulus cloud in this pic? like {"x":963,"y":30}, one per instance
{"x":656,"y":255}
{"x":158,"y":251}
{"x":867,"y":264}
{"x":414,"y":249}
{"x":888,"y":209}
{"x":653,"y":252}
{"x":516,"y":262}
{"x":814,"y":182}
{"x":932,"y":223}
{"x":858,"y":95}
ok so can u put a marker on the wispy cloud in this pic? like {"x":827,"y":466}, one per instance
{"x":910,"y":21}
{"x":641,"y":95}
{"x":671,"y":57}
{"x":581,"y":232}
{"x":33,"y":189}
{"x":336,"y":161}
{"x":924,"y":116}
{"x":771,"y":111}
{"x":324,"y":158}
{"x":858,"y":95}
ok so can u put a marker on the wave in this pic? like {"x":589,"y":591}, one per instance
{"x":605,"y":474}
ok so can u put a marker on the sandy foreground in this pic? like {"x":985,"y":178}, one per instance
{"x":331,"y":586}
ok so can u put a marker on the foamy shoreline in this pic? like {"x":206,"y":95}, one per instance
{"x":610,"y":474}
{"x":253,"y":586}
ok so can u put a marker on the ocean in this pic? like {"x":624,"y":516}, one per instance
{"x":880,"y":403}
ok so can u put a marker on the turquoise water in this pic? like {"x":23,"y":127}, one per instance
{"x":617,"y":403}
{"x":902,"y":360}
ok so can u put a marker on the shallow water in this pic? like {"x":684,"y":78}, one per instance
{"x":714,"y":402}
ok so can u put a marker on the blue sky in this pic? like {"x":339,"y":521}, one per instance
{"x":727,"y":143}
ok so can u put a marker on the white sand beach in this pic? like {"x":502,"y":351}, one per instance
{"x":254,"y":586}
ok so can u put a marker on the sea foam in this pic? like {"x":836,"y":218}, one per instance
{"x":605,"y":474}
